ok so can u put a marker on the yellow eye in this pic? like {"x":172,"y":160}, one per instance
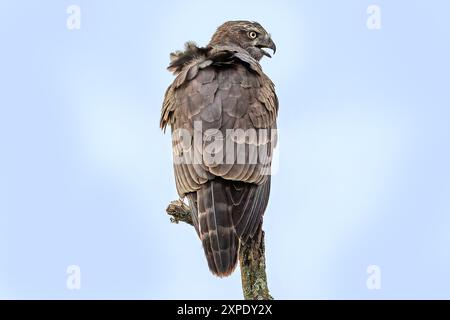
{"x":252,"y":35}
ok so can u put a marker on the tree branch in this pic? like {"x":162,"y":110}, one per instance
{"x":251,"y":256}
{"x":179,"y":211}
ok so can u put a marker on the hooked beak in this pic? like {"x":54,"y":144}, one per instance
{"x":269,"y":44}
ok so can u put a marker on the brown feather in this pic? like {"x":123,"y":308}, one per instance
{"x":223,"y":87}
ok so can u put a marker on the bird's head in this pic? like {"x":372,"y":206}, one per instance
{"x":248,"y":35}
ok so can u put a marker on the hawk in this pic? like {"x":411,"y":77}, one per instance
{"x":222,"y":110}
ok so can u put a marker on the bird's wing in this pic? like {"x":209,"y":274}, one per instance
{"x":226,"y":91}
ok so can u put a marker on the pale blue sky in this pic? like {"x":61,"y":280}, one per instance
{"x":85,"y":173}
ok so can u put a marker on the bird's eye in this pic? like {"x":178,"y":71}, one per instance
{"x":252,"y":35}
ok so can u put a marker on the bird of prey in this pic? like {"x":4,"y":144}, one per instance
{"x":222,"y":110}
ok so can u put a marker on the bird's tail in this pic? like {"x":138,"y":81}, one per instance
{"x":216,"y":229}
{"x":225,"y":213}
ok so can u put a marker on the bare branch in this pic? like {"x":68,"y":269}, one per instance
{"x":179,"y":211}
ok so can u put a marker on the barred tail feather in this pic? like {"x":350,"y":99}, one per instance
{"x":216,"y":228}
{"x":224,"y":213}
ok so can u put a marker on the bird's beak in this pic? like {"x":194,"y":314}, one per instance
{"x":272,"y":46}
{"x":268,"y":43}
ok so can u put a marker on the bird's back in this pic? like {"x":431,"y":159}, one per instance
{"x":222,"y":110}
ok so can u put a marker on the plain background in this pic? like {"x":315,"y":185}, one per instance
{"x":86,"y":174}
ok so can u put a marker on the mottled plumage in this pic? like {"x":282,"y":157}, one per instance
{"x":218,"y":88}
